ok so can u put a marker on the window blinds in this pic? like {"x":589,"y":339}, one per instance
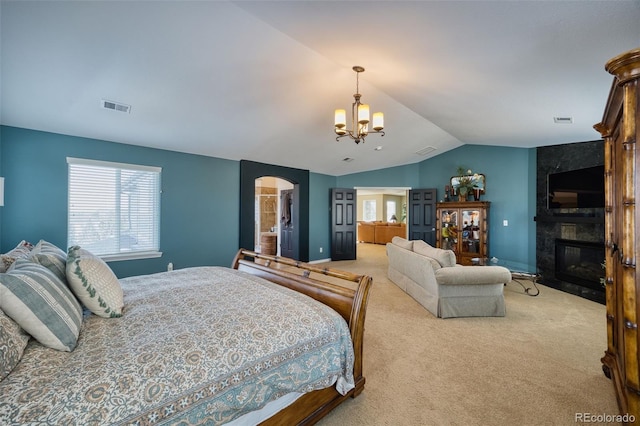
{"x":114,"y":208}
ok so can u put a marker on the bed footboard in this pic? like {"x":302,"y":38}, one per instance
{"x":344,"y":292}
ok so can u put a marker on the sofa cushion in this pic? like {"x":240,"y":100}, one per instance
{"x":434,"y":263}
{"x":402,"y":242}
{"x":445,"y":258}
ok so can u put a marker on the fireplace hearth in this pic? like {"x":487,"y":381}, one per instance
{"x":579,"y":262}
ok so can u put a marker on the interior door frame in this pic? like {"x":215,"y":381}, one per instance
{"x":249,"y":172}
{"x":360,"y":190}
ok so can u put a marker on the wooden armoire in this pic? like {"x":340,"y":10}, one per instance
{"x":620,"y":128}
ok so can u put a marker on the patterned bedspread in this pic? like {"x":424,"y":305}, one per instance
{"x":194,"y":345}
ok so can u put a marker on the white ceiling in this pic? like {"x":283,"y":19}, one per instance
{"x":259,"y":80}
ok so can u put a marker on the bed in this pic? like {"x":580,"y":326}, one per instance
{"x":269,"y":340}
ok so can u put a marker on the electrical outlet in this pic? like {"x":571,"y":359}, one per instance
{"x":320,"y":249}
{"x":505,"y":222}
{"x":170,"y":267}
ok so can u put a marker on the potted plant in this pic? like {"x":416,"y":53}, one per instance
{"x":467,"y":182}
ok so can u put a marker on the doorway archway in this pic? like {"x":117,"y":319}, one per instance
{"x":249,"y":172}
{"x":272,"y":215}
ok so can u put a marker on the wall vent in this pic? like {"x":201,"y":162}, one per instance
{"x":563,"y":120}
{"x":116,"y":106}
{"x":425,"y":151}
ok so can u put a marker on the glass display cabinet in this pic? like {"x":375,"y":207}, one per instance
{"x":463,"y":228}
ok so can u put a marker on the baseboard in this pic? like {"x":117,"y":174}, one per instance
{"x":320,"y":261}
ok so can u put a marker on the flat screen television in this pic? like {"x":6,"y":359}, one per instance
{"x":581,"y":188}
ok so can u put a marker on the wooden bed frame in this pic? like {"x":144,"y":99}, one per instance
{"x":349,"y":300}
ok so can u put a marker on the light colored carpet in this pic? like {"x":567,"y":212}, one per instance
{"x":539,"y":365}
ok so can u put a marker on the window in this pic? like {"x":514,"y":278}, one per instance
{"x":369,"y":210}
{"x":391,"y":211}
{"x":114,"y":209}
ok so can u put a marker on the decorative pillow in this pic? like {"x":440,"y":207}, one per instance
{"x":401,"y":242}
{"x":444,"y":257}
{"x":41,"y":304}
{"x":13,"y":340}
{"x":21,"y":250}
{"x":94,"y":283}
{"x":51,"y":257}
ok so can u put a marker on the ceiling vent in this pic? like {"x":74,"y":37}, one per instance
{"x":425,"y":151}
{"x":347,"y":159}
{"x":563,"y":120}
{"x":116,"y":106}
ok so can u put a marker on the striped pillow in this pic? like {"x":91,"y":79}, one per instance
{"x":52,"y":257}
{"x":41,"y":304}
{"x":21,"y":250}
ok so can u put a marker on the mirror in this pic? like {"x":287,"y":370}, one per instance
{"x":480,"y":182}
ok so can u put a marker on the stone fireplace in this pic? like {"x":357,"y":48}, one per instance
{"x":569,"y":242}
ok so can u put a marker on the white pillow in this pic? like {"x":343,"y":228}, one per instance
{"x":94,"y":283}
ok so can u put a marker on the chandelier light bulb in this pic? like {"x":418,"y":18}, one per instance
{"x":341,"y":118}
{"x":363,"y":113}
{"x":378,"y":121}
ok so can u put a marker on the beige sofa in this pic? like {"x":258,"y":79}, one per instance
{"x":431,"y":276}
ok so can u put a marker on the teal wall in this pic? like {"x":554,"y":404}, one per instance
{"x":319,"y":219}
{"x":510,"y":186}
{"x":400,"y":177}
{"x":510,"y":178}
{"x":200,"y":197}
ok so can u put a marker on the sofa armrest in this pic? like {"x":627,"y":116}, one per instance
{"x":416,"y":267}
{"x":465,"y":275}
{"x":366,"y":232}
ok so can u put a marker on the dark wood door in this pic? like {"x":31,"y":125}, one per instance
{"x":287,"y":224}
{"x":343,"y":224}
{"x":422,"y":215}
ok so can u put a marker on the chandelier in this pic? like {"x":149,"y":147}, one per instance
{"x":359,"y":117}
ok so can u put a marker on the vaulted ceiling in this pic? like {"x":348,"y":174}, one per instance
{"x":259,"y":80}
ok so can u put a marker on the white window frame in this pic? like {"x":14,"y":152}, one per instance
{"x":391,"y":210}
{"x":369,"y":206}
{"x":154,"y":216}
